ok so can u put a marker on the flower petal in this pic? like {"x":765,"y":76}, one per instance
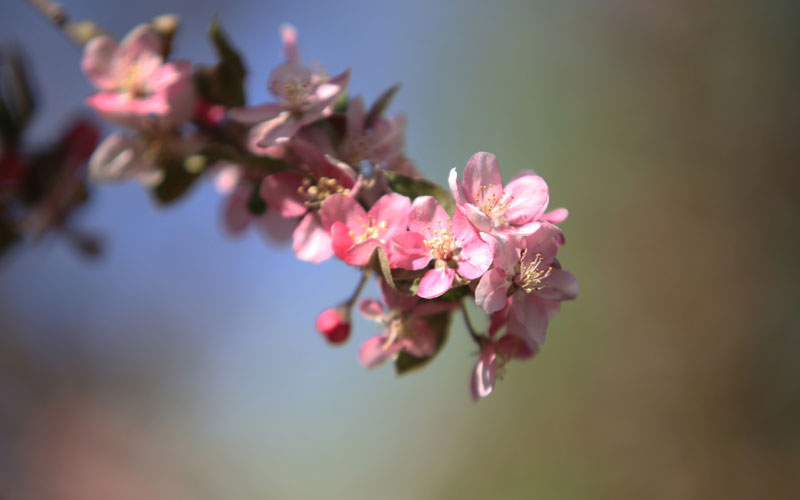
{"x":97,"y":62}
{"x":545,"y":241}
{"x":289,"y":38}
{"x":371,"y":309}
{"x":273,"y":227}
{"x":256,"y":114}
{"x":457,"y":188}
{"x":527,"y":198}
{"x":356,"y":112}
{"x":345,"y":209}
{"x":527,"y":318}
{"x":490,"y":294}
{"x":341,"y":241}
{"x":561,"y":285}
{"x":484,"y":374}
{"x":374,"y":352}
{"x":391,"y":208}
{"x":426,"y":216}
{"x":556,"y":216}
{"x":407,"y":251}
{"x":482,"y":178}
{"x":360,"y":253}
{"x":436,"y":282}
{"x":280,"y":192}
{"x":310,"y":241}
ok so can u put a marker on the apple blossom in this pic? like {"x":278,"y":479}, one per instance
{"x":455,"y":246}
{"x":135,"y":86}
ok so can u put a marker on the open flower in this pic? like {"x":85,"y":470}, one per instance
{"x":300,"y":194}
{"x":244,"y":208}
{"x":525,"y":270}
{"x":406,"y":328}
{"x":380,"y":143}
{"x":134,"y":83}
{"x":356,"y":233}
{"x":518,"y":207}
{"x":303,"y":96}
{"x":454,"y":245}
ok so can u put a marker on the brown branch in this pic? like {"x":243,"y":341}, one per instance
{"x":79,"y":32}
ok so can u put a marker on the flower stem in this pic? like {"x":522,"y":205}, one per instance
{"x":79,"y":32}
{"x":471,"y":329}
{"x":359,"y":289}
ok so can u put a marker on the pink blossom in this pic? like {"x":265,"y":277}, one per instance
{"x":334,"y":324}
{"x":237,"y":214}
{"x":356,"y":233}
{"x":526,"y":270}
{"x":300,"y":194}
{"x":454,"y":245}
{"x":121,"y":157}
{"x":380,"y":143}
{"x":492,"y":360}
{"x":406,"y":329}
{"x":491,"y":208}
{"x":303,"y":96}
{"x":134,"y":83}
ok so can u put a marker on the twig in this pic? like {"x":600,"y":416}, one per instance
{"x":79,"y":32}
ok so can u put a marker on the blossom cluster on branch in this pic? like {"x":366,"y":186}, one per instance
{"x":321,"y":168}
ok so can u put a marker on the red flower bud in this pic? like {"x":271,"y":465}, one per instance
{"x":334,"y":324}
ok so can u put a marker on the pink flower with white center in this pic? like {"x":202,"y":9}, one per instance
{"x":454,"y":245}
{"x":356,"y":233}
{"x":135,"y":85}
{"x":525,"y":270}
{"x":517,"y":208}
{"x":300,"y":194}
{"x":237,"y":209}
{"x":406,"y":329}
{"x":303,"y":96}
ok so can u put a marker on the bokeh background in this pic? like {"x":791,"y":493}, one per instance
{"x":185,"y":365}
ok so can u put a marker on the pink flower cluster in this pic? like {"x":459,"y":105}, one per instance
{"x":321,"y":168}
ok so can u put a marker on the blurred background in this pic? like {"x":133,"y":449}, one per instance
{"x":185,"y":365}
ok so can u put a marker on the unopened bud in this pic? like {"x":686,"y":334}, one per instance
{"x":334,"y":324}
{"x":166,"y":24}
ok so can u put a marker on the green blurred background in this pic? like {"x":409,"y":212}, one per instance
{"x":183,"y":365}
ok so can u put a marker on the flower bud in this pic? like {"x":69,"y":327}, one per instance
{"x":334,"y":324}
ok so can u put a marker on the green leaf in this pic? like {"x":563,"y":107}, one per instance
{"x":380,"y":264}
{"x":440,"y":325}
{"x":177,"y":182}
{"x":342,"y":102}
{"x":255,"y":203}
{"x":455,"y":294}
{"x":380,"y":105}
{"x":17,"y":102}
{"x":224,"y":84}
{"x":412,"y":188}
